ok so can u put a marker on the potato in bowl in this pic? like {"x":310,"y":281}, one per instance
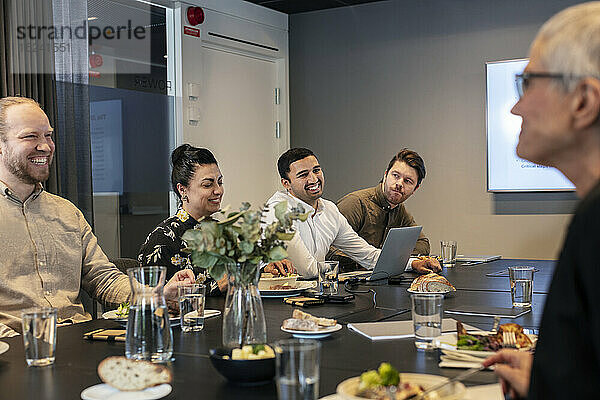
{"x":255,"y":370}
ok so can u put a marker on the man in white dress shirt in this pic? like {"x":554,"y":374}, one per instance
{"x":302,"y":178}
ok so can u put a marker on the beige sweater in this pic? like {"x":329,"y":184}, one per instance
{"x":48,"y":253}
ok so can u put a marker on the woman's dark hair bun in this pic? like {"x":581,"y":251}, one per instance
{"x":179,"y":152}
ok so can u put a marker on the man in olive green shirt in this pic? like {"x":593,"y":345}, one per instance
{"x":374,"y":211}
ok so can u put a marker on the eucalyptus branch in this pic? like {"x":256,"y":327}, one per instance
{"x":240,"y":238}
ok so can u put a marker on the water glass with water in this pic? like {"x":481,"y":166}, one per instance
{"x":297,"y":369}
{"x":39,"y":336}
{"x":191,"y":307}
{"x":448,"y":252}
{"x":521,"y":285}
{"x":427,"y":318}
{"x":328,"y":277}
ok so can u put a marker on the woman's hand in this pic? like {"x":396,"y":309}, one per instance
{"x":223,"y":283}
{"x":181,"y":277}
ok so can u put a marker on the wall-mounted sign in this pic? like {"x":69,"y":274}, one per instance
{"x":188,"y":30}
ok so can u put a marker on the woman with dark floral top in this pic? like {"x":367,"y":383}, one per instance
{"x":198,"y":183}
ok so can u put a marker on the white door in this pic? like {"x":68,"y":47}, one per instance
{"x":237,"y":123}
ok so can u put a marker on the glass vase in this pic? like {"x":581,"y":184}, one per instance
{"x":243,"y":316}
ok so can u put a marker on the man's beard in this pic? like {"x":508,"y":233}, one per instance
{"x":20,"y":169}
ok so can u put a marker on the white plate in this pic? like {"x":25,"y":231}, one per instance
{"x":4,"y":347}
{"x":301,"y":286}
{"x":102,"y":391}
{"x":447,"y":342}
{"x":444,"y":293}
{"x":348,"y":389}
{"x":175,"y":321}
{"x":207,"y":313}
{"x":266,"y":283}
{"x":112,"y":314}
{"x":321,"y":333}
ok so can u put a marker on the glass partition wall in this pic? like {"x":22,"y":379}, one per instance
{"x":131,"y":119}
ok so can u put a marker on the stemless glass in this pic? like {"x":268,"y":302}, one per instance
{"x":427,"y":318}
{"x":191,"y":307}
{"x":448,"y":250}
{"x":39,"y":336}
{"x":328,"y":277}
{"x":297,"y":369}
{"x":521,"y":285}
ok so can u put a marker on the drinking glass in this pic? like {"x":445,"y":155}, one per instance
{"x":521,"y":285}
{"x":427,"y":318}
{"x":39,"y":336}
{"x":191,"y":307}
{"x":448,"y":252}
{"x":328,"y":277}
{"x":297,"y":369}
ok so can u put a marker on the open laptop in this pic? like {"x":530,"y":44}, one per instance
{"x":395,"y":253}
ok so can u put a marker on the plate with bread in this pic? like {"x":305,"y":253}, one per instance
{"x":306,"y":326}
{"x":126,"y":379}
{"x":431,"y":283}
{"x":287,"y":290}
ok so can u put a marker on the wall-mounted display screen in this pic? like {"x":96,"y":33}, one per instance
{"x":505,"y":170}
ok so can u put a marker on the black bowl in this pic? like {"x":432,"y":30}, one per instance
{"x":243,"y":372}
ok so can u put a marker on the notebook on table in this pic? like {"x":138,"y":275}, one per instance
{"x":477,"y":258}
{"x":398,"y":329}
{"x":488,"y":311}
{"x":504,"y":273}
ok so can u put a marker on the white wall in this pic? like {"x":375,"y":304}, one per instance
{"x":366,"y":81}
{"x":266,"y":32}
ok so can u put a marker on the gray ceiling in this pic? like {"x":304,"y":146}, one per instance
{"x":300,"y":6}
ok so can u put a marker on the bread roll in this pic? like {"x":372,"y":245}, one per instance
{"x":129,"y":375}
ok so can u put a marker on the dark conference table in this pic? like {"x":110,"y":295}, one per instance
{"x":344,"y":354}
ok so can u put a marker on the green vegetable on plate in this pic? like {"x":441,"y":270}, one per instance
{"x":123,"y":310}
{"x":386,"y":375}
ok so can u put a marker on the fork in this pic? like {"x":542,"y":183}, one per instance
{"x":497,"y":319}
{"x":391,"y":392}
{"x":509,"y":340}
{"x":435,"y":389}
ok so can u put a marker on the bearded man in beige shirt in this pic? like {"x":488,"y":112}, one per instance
{"x":48,"y":252}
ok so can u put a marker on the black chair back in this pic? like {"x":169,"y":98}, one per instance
{"x":123,"y":264}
